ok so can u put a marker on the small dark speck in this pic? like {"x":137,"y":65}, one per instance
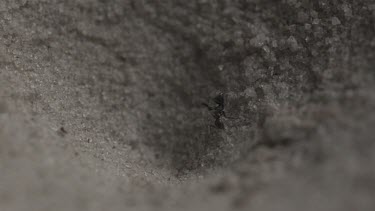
{"x":260,"y":93}
{"x":133,"y":144}
{"x":62,"y":132}
{"x":157,"y":155}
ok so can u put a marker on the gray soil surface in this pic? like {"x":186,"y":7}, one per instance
{"x":101,"y":105}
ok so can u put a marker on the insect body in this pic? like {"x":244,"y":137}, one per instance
{"x":218,"y":110}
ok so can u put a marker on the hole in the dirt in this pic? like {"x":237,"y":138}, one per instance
{"x":176,"y":125}
{"x":145,"y":84}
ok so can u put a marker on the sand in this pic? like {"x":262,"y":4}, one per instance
{"x":101,"y":105}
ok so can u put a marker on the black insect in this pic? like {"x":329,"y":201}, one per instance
{"x":218,"y":110}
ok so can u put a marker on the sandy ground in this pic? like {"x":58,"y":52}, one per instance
{"x":101,"y":105}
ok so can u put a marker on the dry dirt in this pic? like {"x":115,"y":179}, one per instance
{"x":101,"y":105}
